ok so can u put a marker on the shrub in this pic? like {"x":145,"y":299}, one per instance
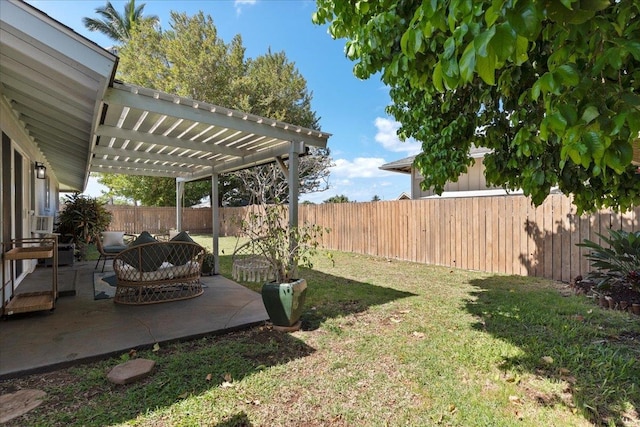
{"x":618,"y":264}
{"x":82,"y":217}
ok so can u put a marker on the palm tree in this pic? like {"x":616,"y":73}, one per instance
{"x":115,"y":25}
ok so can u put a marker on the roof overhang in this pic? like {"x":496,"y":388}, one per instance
{"x":405,"y":165}
{"x":152,"y":133}
{"x":54,"y":81}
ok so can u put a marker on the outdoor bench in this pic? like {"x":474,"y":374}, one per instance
{"x":157,"y":272}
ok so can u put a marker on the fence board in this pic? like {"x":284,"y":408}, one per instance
{"x":519,"y":222}
{"x":565,"y":240}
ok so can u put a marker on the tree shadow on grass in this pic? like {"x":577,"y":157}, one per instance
{"x":595,"y":352}
{"x":329,"y":296}
{"x":238,"y":420}
{"x":196,"y":367}
{"x":83,"y":396}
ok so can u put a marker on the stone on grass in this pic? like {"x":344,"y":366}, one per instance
{"x":131,"y":371}
{"x":13,"y":405}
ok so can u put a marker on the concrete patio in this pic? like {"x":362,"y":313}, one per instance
{"x":81,"y":329}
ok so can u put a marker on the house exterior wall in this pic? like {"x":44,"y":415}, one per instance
{"x":26,"y":195}
{"x":472,"y":180}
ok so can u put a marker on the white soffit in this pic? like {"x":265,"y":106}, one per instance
{"x":152,"y":133}
{"x":54,"y":80}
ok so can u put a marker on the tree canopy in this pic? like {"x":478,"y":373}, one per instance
{"x":115,"y":25}
{"x":341,"y":198}
{"x":550,"y":86}
{"x":189,"y":59}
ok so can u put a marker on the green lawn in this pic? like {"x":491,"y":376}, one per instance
{"x":383,"y":343}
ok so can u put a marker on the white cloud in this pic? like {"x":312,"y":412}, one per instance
{"x":240,"y":3}
{"x":360,"y":167}
{"x":387,"y":136}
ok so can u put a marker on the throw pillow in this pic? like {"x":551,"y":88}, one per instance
{"x":152,"y":256}
{"x":182,"y":254}
{"x":113,"y":238}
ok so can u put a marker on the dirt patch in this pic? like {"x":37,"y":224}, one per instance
{"x":622,"y":294}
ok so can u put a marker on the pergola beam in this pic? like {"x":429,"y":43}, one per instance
{"x":165,"y":141}
{"x":161,"y":103}
{"x":155,"y":157}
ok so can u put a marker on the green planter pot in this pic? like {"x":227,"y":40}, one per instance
{"x":284,"y":301}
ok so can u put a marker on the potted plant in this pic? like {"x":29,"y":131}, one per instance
{"x":82,"y":218}
{"x":285,"y":248}
{"x":208,"y":262}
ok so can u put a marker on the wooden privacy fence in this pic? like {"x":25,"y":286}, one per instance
{"x":501,"y":234}
{"x":135,"y":219}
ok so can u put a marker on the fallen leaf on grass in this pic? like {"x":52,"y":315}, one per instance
{"x":184,"y":395}
{"x":564,"y":371}
{"x":547,"y":359}
{"x":156,"y":347}
{"x":227,"y":383}
{"x":395,"y":320}
{"x":208,"y":378}
{"x":452,"y":408}
{"x":510,"y":378}
{"x":515,"y":400}
{"x":133,"y":353}
{"x":417,"y":334}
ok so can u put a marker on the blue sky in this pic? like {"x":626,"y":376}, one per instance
{"x":352,"y":110}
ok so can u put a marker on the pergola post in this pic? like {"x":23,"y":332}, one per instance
{"x":179,"y":197}
{"x":215,"y":221}
{"x":295,"y":150}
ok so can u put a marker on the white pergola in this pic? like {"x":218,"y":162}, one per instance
{"x":57,"y":91}
{"x":151,"y":133}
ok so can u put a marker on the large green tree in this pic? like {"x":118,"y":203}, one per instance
{"x":115,"y":25}
{"x":551,"y":86}
{"x":190,"y":59}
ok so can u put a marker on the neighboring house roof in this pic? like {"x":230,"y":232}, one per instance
{"x":403,"y":196}
{"x":405,"y":165}
{"x":402,"y":165}
{"x":60,"y":85}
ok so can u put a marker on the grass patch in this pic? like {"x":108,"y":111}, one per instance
{"x":382,"y":343}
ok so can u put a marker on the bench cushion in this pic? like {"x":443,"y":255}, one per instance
{"x":165,"y":271}
{"x":114,"y":249}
